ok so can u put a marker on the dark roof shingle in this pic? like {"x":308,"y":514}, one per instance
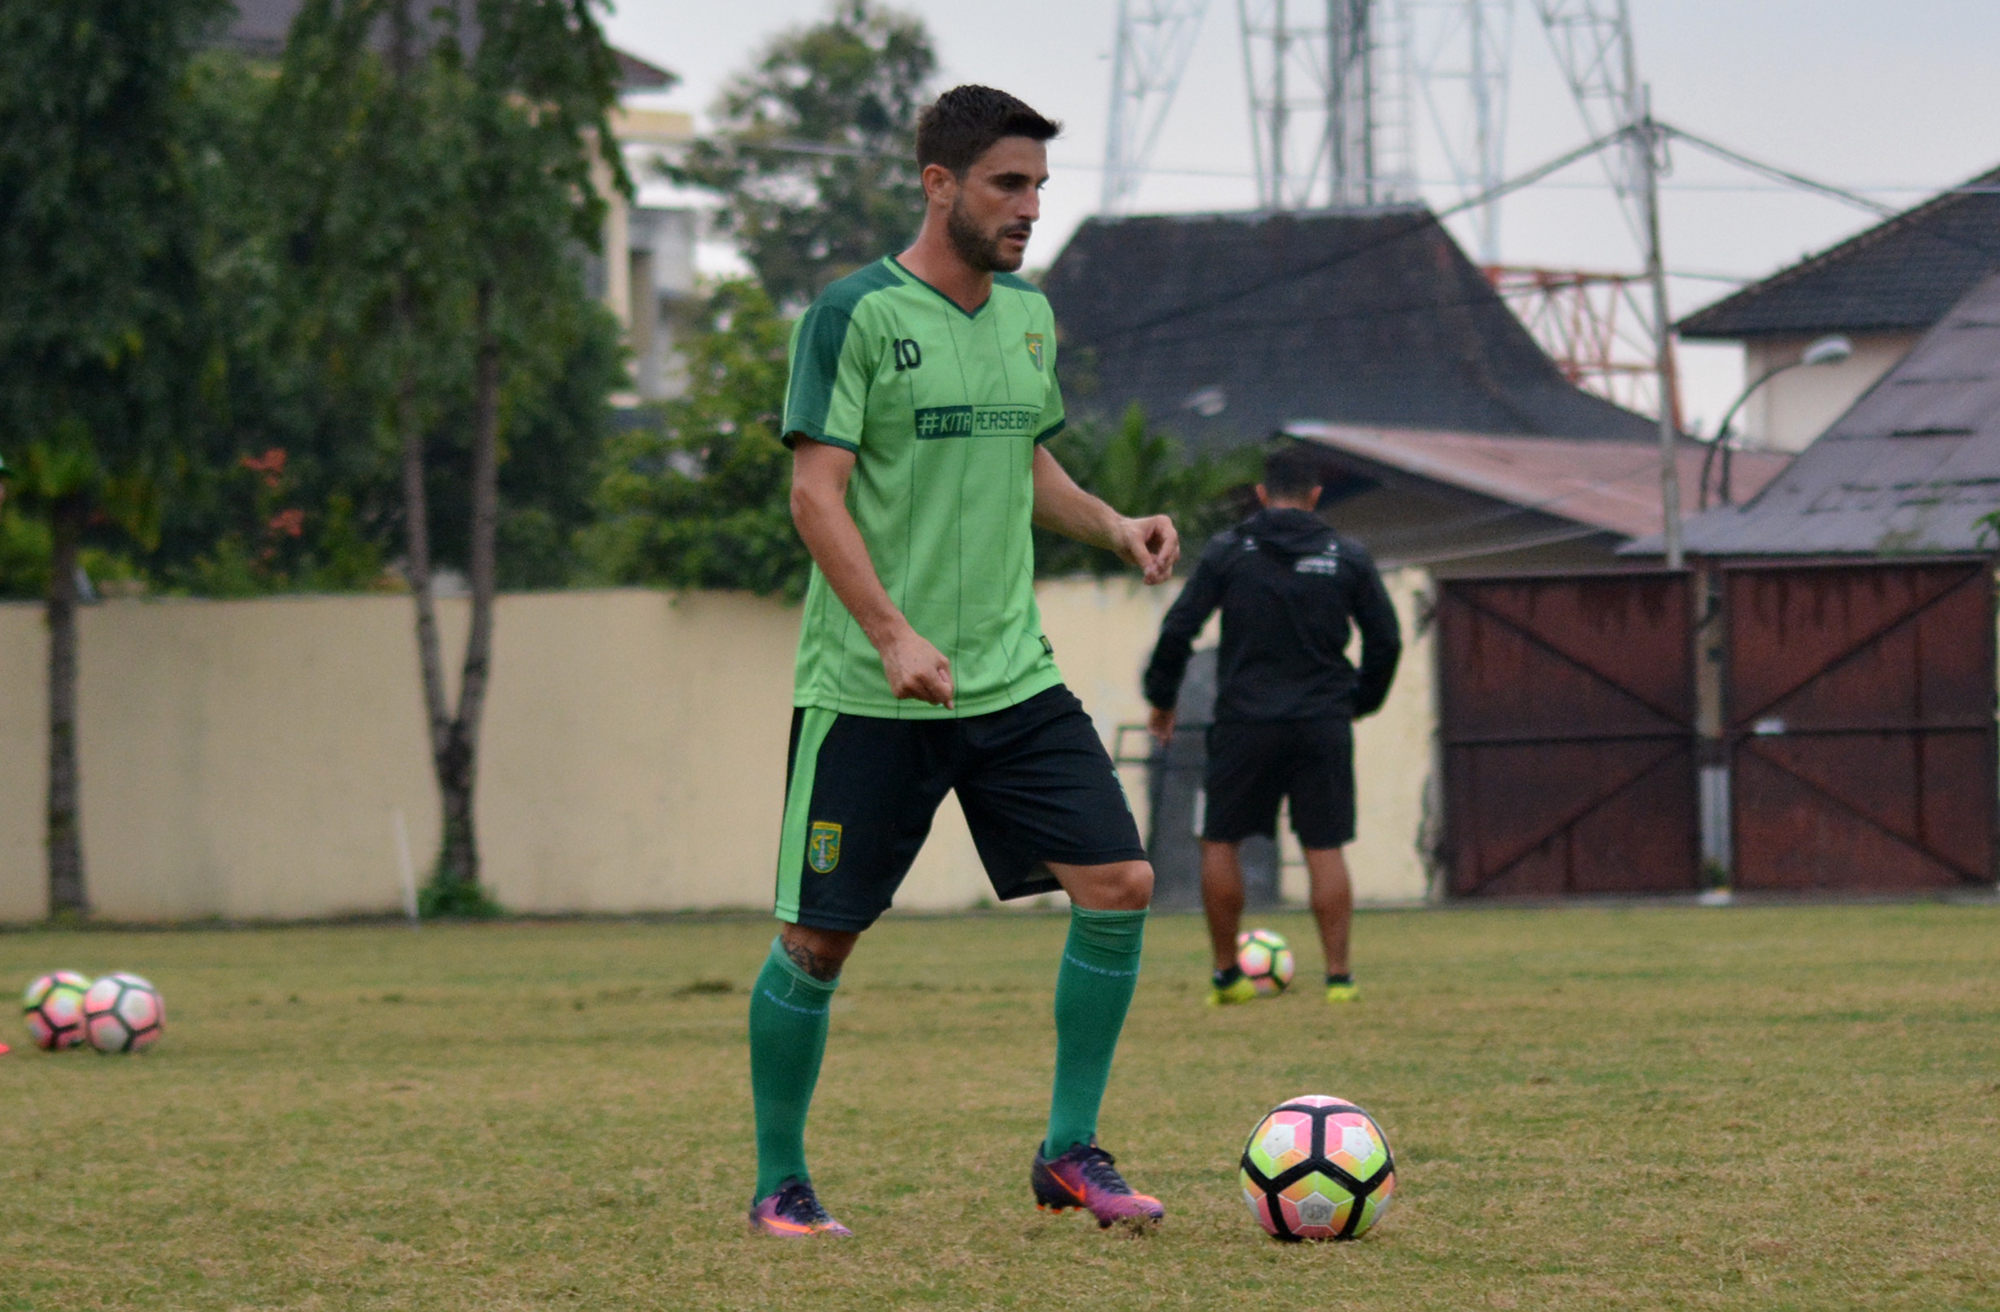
{"x":1911,"y":467}
{"x":1225,"y":327}
{"x":1902,"y":274}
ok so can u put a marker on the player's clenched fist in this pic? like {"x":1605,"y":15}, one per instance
{"x":1150,"y":543}
{"x":916,"y":669}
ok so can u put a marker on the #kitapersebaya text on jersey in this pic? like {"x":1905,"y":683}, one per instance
{"x":943,"y":410}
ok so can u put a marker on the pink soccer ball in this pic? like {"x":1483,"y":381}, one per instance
{"x":123,"y":1013}
{"x":1265,"y":960}
{"x":1317,"y":1168}
{"x":53,"y":1006}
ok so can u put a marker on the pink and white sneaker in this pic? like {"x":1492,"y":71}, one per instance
{"x":1085,"y":1177}
{"x":794,"y":1213}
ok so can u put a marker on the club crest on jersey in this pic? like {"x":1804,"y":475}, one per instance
{"x":1034,"y":348}
{"x":823,"y":846}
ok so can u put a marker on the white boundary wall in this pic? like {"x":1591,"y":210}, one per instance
{"x":245,"y":759}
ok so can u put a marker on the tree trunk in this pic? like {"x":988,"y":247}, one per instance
{"x":417,"y":553}
{"x":454,"y":736}
{"x":458,"y":771}
{"x":65,"y":820}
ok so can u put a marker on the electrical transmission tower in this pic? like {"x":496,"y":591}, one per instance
{"x":1329,"y":101}
{"x":1155,"y":38}
{"x":1335,"y":90}
{"x":1593,"y":44}
{"x":1460,"y":55}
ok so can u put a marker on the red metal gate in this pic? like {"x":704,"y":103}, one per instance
{"x":1567,"y":722}
{"x":1861,"y":732}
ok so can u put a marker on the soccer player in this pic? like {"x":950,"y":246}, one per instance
{"x":922,"y":388}
{"x":1285,"y":703}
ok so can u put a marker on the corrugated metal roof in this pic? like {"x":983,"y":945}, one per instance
{"x":1900,"y":275}
{"x":1223,"y":326}
{"x":1612,"y":485}
{"x":1910,"y":467}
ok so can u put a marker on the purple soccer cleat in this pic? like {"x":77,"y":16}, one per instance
{"x":1085,"y":1177}
{"x":794,"y":1213}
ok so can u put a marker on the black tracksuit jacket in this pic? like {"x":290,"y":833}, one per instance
{"x":1288,"y":586}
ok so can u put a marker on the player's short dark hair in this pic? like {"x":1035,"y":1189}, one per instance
{"x":963,"y":123}
{"x":1292,"y":471}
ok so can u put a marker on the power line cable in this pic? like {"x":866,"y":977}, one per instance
{"x":1514,"y":184}
{"x":1429,"y":220}
{"x":1843,"y":194}
{"x":1777,"y":174}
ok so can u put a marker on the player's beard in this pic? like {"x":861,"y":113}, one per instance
{"x":982,"y":250}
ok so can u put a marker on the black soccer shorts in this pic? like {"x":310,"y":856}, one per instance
{"x":1034,"y":781}
{"x":1252,"y":764}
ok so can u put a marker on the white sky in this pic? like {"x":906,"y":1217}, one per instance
{"x":1895,"y":99}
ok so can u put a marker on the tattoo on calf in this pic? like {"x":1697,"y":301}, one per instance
{"x":821,"y":968}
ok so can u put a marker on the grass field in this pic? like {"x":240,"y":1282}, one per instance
{"x":1591,"y":1108}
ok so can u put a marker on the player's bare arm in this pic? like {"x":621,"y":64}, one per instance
{"x":1151,"y":543}
{"x":915,"y":669}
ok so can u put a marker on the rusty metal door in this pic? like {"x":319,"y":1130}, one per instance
{"x":1567,"y":724}
{"x":1860,"y":726}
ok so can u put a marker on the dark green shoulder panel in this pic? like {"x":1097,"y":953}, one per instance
{"x":848,"y":292}
{"x":817,"y":346}
{"x":1015,"y":283}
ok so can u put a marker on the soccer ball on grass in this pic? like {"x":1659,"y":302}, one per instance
{"x":1265,"y":960}
{"x":53,"y":1006}
{"x":123,"y":1013}
{"x":1317,"y":1168}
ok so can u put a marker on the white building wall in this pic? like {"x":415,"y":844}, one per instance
{"x":249,"y":759}
{"x":1788,"y":412}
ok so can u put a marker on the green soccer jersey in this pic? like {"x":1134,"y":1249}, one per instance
{"x":943,"y":411}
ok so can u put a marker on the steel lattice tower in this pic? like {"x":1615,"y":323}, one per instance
{"x":1329,"y":101}
{"x":1155,"y":38}
{"x":1593,"y":44}
{"x":1461,"y":53}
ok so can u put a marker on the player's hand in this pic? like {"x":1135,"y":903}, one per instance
{"x":1160,"y":724}
{"x":915,"y":669}
{"x":1150,"y":543}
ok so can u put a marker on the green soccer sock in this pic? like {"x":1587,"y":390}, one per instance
{"x":1100,"y":967}
{"x":787,"y":1039}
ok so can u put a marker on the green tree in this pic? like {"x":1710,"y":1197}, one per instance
{"x":814,"y":154}
{"x":101,"y":357}
{"x":1140,"y":470}
{"x":444,"y":185}
{"x":703,"y":499}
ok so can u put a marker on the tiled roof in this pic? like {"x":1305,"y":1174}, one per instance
{"x":1901,"y":275}
{"x":1911,"y":467}
{"x":1614,"y":486}
{"x":1225,"y":327}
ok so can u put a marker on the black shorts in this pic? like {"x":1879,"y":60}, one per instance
{"x":1252,"y":764}
{"x":1034,"y":781}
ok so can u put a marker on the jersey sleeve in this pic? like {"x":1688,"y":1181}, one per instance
{"x":1185,"y":618}
{"x":826,"y":398}
{"x":1053,"y":419}
{"x":1381,"y":634}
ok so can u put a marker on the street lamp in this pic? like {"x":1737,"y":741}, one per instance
{"x":1832,"y":349}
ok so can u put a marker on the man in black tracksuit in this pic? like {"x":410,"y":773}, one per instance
{"x":1289,"y":587}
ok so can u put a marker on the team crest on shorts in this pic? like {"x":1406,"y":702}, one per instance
{"x":823,"y":846}
{"x":1034,"y":348}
